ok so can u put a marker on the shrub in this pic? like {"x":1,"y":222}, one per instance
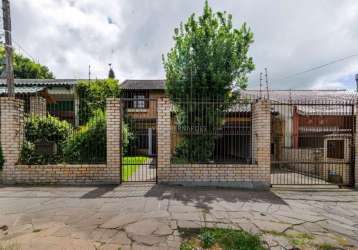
{"x":88,"y":144}
{"x":44,"y":128}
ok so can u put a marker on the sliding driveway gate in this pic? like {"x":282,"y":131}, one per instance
{"x":312,"y":143}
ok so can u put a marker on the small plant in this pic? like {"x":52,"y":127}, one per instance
{"x":207,"y":238}
{"x":218,"y":238}
{"x":326,"y":246}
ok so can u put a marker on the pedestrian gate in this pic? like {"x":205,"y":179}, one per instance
{"x":139,"y":140}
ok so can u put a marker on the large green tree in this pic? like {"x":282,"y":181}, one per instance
{"x":93,"y":95}
{"x":26,"y":68}
{"x":208,"y":61}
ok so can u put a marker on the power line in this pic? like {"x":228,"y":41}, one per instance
{"x":315,"y":68}
{"x":318,"y":67}
{"x":24,"y":50}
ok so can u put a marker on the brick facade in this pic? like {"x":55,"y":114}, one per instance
{"x":38,"y":105}
{"x":255,"y":176}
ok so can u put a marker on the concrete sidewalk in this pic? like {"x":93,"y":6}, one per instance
{"x":139,"y":216}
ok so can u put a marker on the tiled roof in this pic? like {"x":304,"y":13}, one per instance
{"x":143,"y":84}
{"x":42,"y":82}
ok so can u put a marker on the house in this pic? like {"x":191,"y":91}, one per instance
{"x":312,"y":133}
{"x":55,"y":96}
{"x":140,"y":104}
{"x":312,"y":130}
{"x":140,"y":100}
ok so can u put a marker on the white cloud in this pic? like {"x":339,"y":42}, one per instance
{"x":290,"y":36}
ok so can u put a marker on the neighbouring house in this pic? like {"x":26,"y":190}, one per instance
{"x":54,"y":96}
{"x":312,"y":131}
{"x":140,"y":104}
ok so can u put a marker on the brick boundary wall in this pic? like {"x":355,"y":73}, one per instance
{"x":65,"y":174}
{"x":62,"y":174}
{"x":255,"y":176}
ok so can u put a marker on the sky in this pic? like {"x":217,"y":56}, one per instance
{"x":132,"y":35}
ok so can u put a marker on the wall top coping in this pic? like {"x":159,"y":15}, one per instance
{"x":219,"y":166}
{"x":64,"y":166}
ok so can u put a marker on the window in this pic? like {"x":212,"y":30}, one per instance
{"x":139,"y":101}
{"x":335,"y":149}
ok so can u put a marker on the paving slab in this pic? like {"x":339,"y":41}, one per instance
{"x":142,"y":216}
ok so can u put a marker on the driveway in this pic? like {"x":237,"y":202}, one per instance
{"x":140,"y":216}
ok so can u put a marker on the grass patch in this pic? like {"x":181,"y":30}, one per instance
{"x":131,"y":164}
{"x":217,"y":238}
{"x":326,"y":246}
{"x":296,"y":239}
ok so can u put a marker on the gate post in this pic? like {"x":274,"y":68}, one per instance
{"x":163,"y":138}
{"x":113,"y":109}
{"x":261,"y":125}
{"x":12,"y":133}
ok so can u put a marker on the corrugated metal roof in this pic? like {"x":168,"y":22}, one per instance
{"x":303,"y":95}
{"x":143,"y":84}
{"x":23,"y":89}
{"x":42,"y":82}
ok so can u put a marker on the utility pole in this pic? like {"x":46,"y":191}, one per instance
{"x":261,"y":85}
{"x":8,"y":48}
{"x":267,"y":84}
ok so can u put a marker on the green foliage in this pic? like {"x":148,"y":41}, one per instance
{"x":26,"y":68}
{"x":194,"y":149}
{"x":93,"y":96}
{"x":2,"y":160}
{"x":44,"y":128}
{"x":207,"y":238}
{"x":210,"y":57}
{"x":88,"y":144}
{"x":218,"y":238}
{"x":209,"y":60}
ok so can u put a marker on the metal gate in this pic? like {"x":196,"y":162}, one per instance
{"x":139,"y":140}
{"x":312,"y":143}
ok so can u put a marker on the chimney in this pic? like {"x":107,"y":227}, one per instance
{"x":357,"y":82}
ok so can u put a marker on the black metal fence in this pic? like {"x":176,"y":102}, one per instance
{"x":59,"y":130}
{"x":312,"y":142}
{"x":211,"y":131}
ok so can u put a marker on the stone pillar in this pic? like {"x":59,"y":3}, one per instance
{"x":261,"y":125}
{"x":12,"y":132}
{"x":163,"y":138}
{"x":113,"y":109}
{"x":38,"y":105}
